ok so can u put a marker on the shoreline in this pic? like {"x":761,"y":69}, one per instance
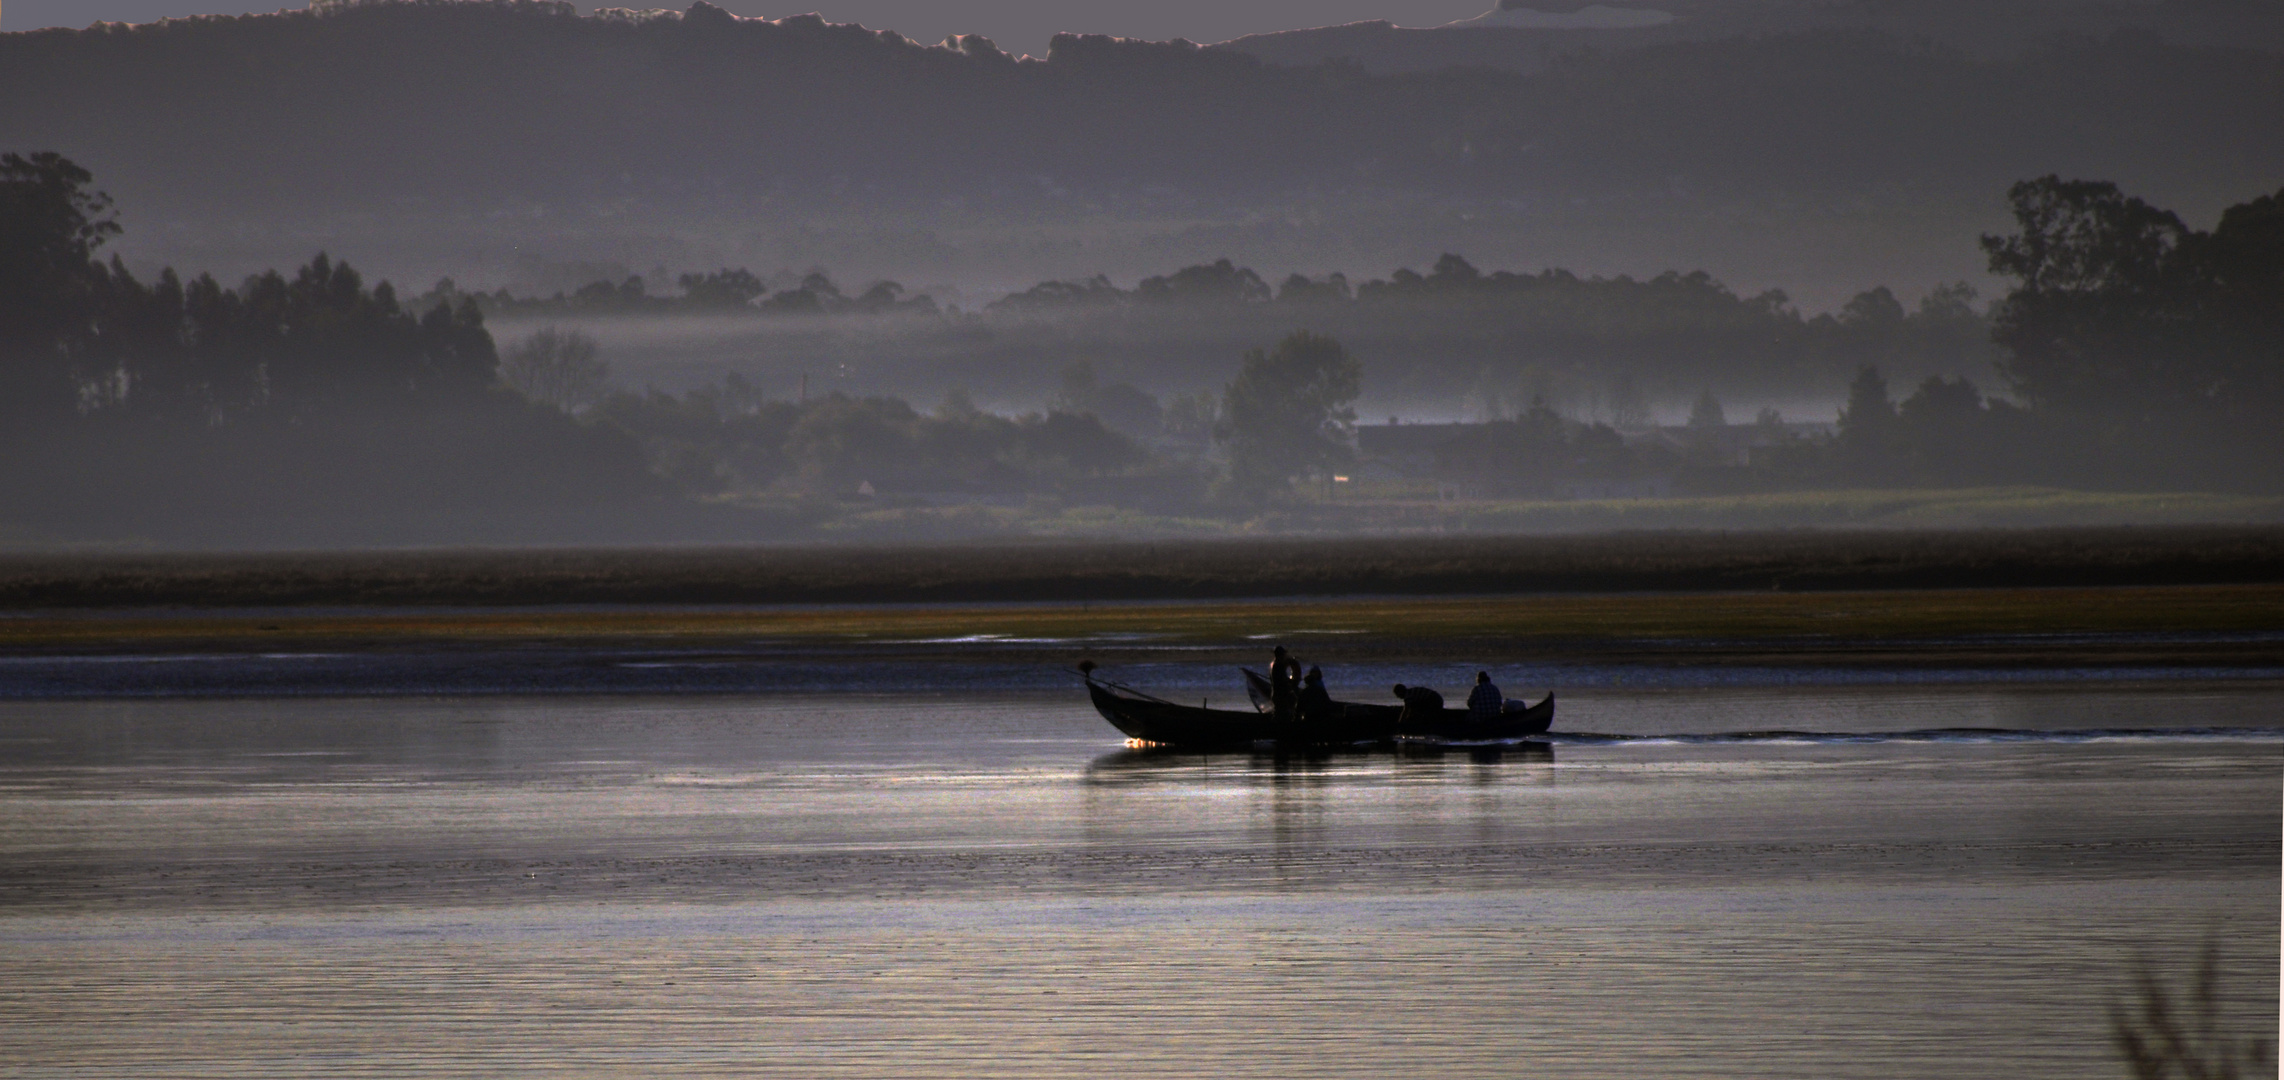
{"x":2115,"y":627}
{"x":1121,"y":571}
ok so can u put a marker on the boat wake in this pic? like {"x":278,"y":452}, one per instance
{"x":1927,"y":735}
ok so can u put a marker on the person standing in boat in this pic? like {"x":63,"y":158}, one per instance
{"x":1484,"y":702}
{"x":1423,"y":707}
{"x":1284,"y":686}
{"x":1315,"y":700}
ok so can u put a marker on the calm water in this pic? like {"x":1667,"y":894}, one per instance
{"x":1801,"y":875}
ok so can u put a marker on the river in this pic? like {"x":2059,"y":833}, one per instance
{"x":960,"y":873}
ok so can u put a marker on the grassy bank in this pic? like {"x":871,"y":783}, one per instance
{"x":1410,"y":508}
{"x":1163,"y":570}
{"x":1974,"y":508}
{"x":1382,"y":509}
{"x":2112,"y":626}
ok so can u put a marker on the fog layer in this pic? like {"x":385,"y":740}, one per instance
{"x":1134,"y":286}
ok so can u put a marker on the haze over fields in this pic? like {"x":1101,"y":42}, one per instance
{"x":1598,"y":219}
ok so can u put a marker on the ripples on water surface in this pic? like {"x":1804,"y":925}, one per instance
{"x":1935,"y":878}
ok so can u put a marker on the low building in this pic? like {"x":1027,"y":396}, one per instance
{"x":1411,"y":450}
{"x":1549,"y":458}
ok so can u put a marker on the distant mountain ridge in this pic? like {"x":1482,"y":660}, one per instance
{"x":509,"y":126}
{"x":525,"y":99}
{"x":1528,"y":35}
{"x":1556,"y":15}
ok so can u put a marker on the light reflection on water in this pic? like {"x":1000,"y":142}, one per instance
{"x":980,"y":884}
{"x":1722,"y":983}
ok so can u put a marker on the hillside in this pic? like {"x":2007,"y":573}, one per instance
{"x":433,"y":138}
{"x":1535,"y":35}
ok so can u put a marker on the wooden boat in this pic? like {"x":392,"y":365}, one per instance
{"x":1158,"y":722}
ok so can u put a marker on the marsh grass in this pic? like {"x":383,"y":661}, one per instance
{"x":1410,"y":508}
{"x":2204,"y":625}
{"x":2161,"y":1036}
{"x":1187,"y":569}
{"x":1972,"y":508}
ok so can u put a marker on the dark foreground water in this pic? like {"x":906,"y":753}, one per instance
{"x":1789,"y":877}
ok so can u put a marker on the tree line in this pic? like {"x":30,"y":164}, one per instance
{"x":1287,"y":415}
{"x":128,"y":405}
{"x":2133,"y":352}
{"x":724,"y":291}
{"x":2136,"y":352}
{"x":84,"y":337}
{"x":317,"y":393}
{"x":1451,"y":323}
{"x":727,"y":440}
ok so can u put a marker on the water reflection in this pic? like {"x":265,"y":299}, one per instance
{"x":1162,"y":765}
{"x":846,"y":885}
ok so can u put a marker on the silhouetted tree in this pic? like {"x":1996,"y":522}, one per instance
{"x":1287,"y":414}
{"x":842,"y":442}
{"x":1070,"y":444}
{"x":1947,"y":332}
{"x":51,"y":223}
{"x":1954,"y":302}
{"x":459,"y":351}
{"x":1220,"y":282}
{"x":307,"y":401}
{"x":1117,"y":404}
{"x":2164,"y":345}
{"x":556,"y":367}
{"x":1299,"y":289}
{"x":1056,"y":296}
{"x":1945,"y":430}
{"x":1876,"y":309}
{"x":1628,"y":408}
{"x":2095,"y":320}
{"x":1453,"y":272}
{"x":886,"y":296}
{"x":816,"y":295}
{"x":1535,"y":454}
{"x":2240,"y":308}
{"x":1868,"y":428}
{"x":724,"y":288}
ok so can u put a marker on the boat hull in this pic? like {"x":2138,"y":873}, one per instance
{"x":1164,"y":723}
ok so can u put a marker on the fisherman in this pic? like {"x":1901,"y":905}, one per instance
{"x":1284,"y":686}
{"x":1484,"y":702}
{"x":1422,"y":707}
{"x":1315,"y":700}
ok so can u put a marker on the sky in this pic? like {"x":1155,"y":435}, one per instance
{"x":1017,"y":25}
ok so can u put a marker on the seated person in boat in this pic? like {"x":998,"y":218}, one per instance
{"x":1422,"y":707}
{"x":1483,"y":702}
{"x":1315,"y":700}
{"x":1284,"y":686}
